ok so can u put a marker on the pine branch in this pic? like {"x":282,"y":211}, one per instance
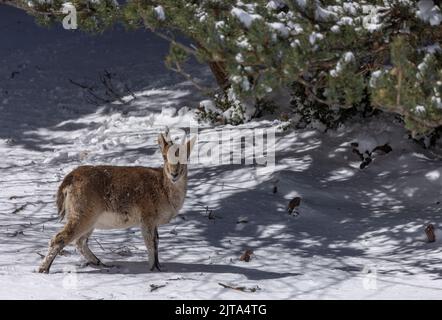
{"x":172,"y":40}
{"x":310,"y":90}
{"x":179,"y":69}
{"x":401,"y":110}
{"x":23,"y":5}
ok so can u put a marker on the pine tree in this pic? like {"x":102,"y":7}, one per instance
{"x":338,"y":51}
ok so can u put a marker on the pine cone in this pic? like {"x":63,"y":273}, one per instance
{"x":429,"y":230}
{"x":246,"y":255}
{"x":293,"y":204}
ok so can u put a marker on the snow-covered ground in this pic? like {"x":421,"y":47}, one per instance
{"x":359,"y":235}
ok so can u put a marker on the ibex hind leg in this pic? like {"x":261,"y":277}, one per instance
{"x":83,"y":248}
{"x":71,"y":231}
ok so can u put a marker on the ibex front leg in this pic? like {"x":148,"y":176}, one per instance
{"x":157,"y":242}
{"x":150,"y":235}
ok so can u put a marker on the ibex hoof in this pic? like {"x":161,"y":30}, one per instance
{"x":43,"y":270}
{"x":156,"y":266}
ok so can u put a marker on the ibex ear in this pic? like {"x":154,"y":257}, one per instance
{"x":162,"y":142}
{"x":189,"y":146}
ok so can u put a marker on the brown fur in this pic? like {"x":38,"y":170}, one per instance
{"x":119,"y":197}
{"x":61,"y":195}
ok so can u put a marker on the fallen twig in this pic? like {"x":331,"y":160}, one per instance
{"x":173,"y":231}
{"x":243,"y":289}
{"x":99,"y":244}
{"x":154,"y":287}
{"x":90,"y":91}
{"x":16,"y":197}
{"x":22,"y":207}
{"x":180,"y":278}
{"x":16,"y":233}
{"x":210,"y":214}
{"x":111,"y":91}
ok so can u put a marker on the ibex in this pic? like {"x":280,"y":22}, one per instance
{"x":109,"y":197}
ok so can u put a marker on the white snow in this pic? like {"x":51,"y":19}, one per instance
{"x":375,"y":75}
{"x":429,"y":12}
{"x":296,"y":43}
{"x":351,"y":7}
{"x":372,"y":135}
{"x":434,"y":48}
{"x":273,"y":5}
{"x":433,"y":175}
{"x":323,"y":14}
{"x":208,"y":106}
{"x":345,"y":59}
{"x":335,"y":29}
{"x":295,"y":28}
{"x":349,"y":57}
{"x":239,"y":58}
{"x":280,"y":28}
{"x":220,"y":24}
{"x":301,"y":3}
{"x":159,"y":11}
{"x":359,"y":235}
{"x":423,"y":66}
{"x":314,"y":37}
{"x":244,"y":43}
{"x":372,"y":20}
{"x":346,"y":21}
{"x":67,"y":6}
{"x":241,"y":80}
{"x":420,"y":109}
{"x":244,"y":17}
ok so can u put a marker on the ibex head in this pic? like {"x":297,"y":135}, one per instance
{"x":175,"y":156}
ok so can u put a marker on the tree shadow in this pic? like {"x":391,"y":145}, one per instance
{"x":141,"y":267}
{"x":366,"y":208}
{"x":38,"y":62}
